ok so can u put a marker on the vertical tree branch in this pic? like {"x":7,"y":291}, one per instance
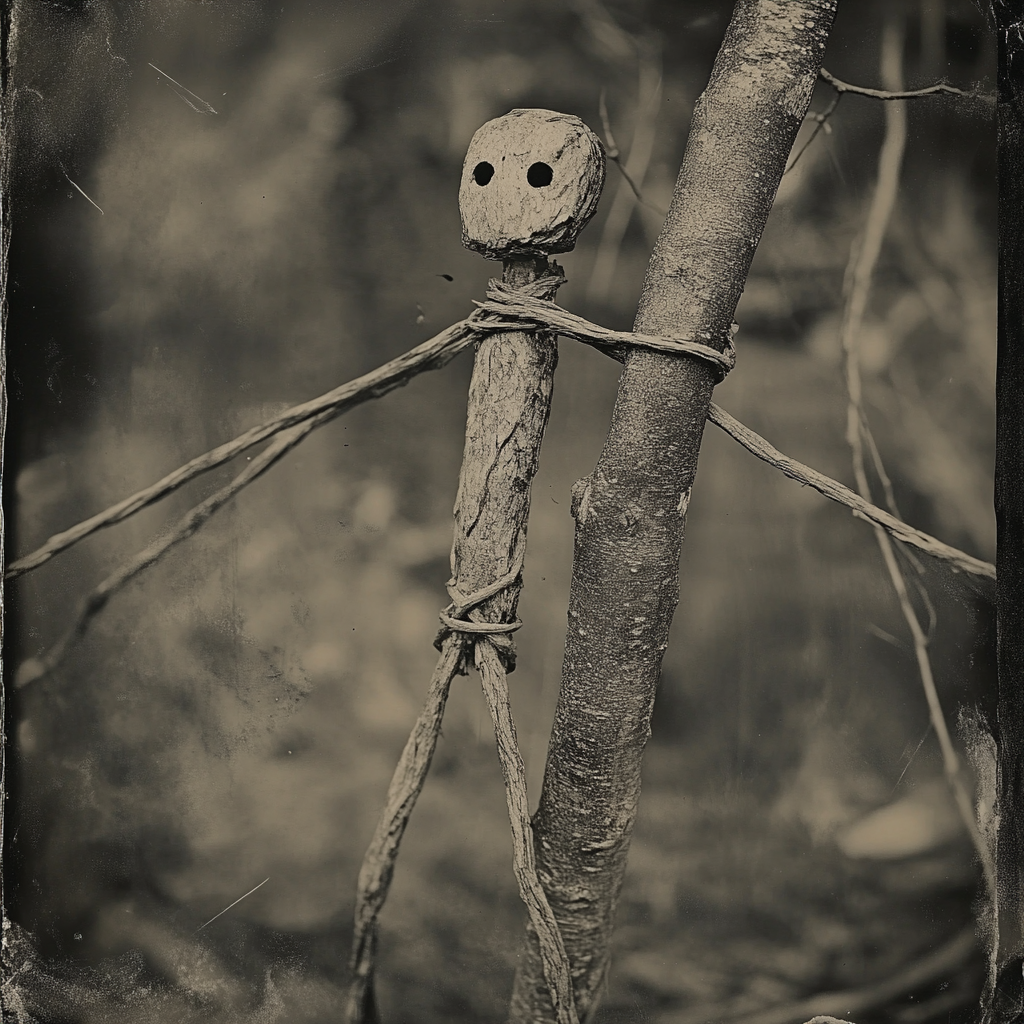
{"x":645,"y":115}
{"x":630,"y":512}
{"x":933,"y":37}
{"x":863,"y":264}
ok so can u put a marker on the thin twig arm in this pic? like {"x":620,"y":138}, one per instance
{"x":959,"y":561}
{"x":430,"y":355}
{"x":835,"y":491}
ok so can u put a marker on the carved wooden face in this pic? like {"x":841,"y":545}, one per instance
{"x":530,"y":182}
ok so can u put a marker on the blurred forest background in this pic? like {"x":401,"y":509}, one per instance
{"x":278,"y":185}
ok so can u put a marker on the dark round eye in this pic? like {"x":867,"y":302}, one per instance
{"x":539,"y":175}
{"x":483,"y":172}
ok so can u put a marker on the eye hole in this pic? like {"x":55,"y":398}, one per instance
{"x":539,"y":175}
{"x":483,"y":172}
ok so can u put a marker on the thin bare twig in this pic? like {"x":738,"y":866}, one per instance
{"x":641,"y":148}
{"x":880,"y":471}
{"x":841,"y":88}
{"x":862,"y":267}
{"x":939,"y":88}
{"x":611,"y":147}
{"x":33,"y":669}
{"x":835,"y":491}
{"x":821,"y":125}
{"x":618,"y":47}
{"x":611,"y":150}
{"x":430,"y":355}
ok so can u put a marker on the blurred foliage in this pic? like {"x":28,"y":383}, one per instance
{"x":236,"y":715}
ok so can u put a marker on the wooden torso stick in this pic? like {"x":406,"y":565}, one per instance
{"x":530,"y":183}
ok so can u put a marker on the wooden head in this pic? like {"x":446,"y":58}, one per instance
{"x":530,"y":183}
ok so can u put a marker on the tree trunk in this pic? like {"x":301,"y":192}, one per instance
{"x":1005,"y":1003}
{"x":630,"y":512}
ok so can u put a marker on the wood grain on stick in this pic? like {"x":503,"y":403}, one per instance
{"x":630,"y":512}
{"x":507,"y":412}
{"x":530,"y":182}
{"x":509,"y":404}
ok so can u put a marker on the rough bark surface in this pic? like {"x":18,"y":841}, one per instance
{"x":630,"y":512}
{"x":1007,"y":1002}
{"x":507,"y":412}
{"x":508,"y":407}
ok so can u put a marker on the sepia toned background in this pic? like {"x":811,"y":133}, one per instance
{"x":223,"y":209}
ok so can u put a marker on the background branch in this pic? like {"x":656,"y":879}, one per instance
{"x":860,"y":272}
{"x":939,"y":88}
{"x":629,"y":191}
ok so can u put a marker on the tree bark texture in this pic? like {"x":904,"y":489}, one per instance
{"x":630,"y":513}
{"x":1006,"y":1002}
{"x":508,"y":407}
